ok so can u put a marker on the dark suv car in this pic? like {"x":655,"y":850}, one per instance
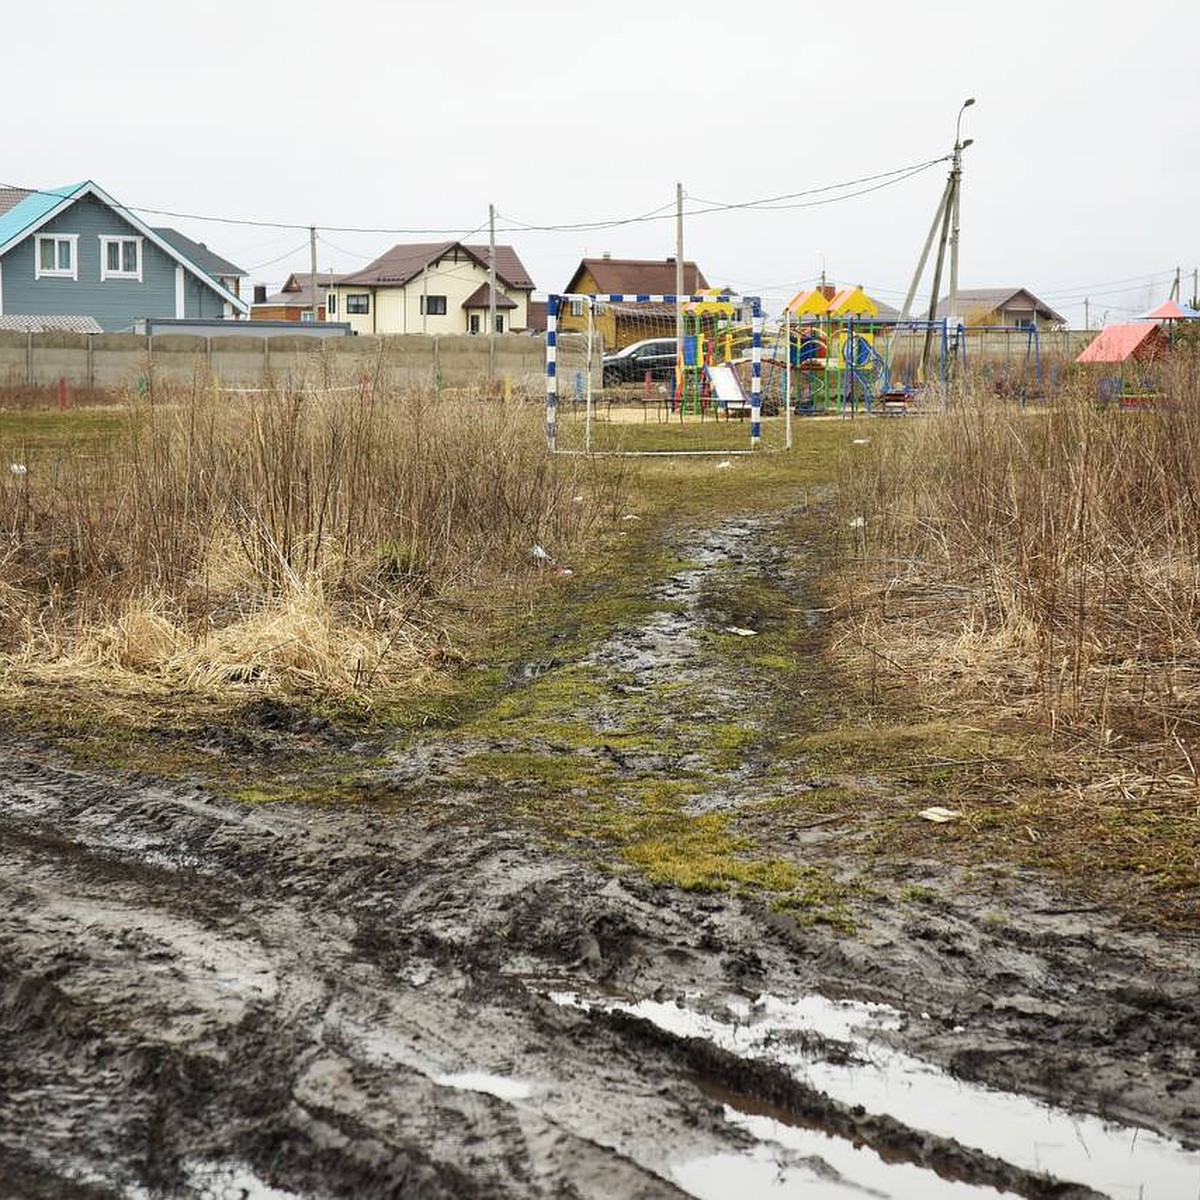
{"x":656,"y":355}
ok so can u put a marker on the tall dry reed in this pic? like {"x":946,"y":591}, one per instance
{"x":340,"y":520}
{"x":1043,"y":557}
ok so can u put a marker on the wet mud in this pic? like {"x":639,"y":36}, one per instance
{"x":418,"y":996}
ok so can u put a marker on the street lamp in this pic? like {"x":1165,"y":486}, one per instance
{"x":958,"y":124}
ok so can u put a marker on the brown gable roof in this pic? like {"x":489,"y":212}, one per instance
{"x":479,"y":299}
{"x":988,"y":300}
{"x":301,"y":281}
{"x":404,"y":262}
{"x":638,"y":276}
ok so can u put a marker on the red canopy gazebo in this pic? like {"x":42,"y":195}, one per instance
{"x":1141,"y":343}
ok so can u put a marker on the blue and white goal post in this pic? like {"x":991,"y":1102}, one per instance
{"x":687,"y":357}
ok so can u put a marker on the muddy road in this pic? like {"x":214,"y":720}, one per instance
{"x":423,"y":994}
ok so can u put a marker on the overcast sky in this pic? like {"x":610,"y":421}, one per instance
{"x":1084,"y":179}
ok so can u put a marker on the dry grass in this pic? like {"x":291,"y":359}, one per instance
{"x":1044,"y":564}
{"x":296,"y":539}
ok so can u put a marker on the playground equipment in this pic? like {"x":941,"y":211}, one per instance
{"x":709,"y":323}
{"x":835,"y":353}
{"x":707,"y":364}
{"x":1010,"y":374}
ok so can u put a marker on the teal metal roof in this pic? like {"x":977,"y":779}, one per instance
{"x":35,"y":207}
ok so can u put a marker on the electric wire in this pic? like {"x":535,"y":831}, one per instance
{"x":768,"y":204}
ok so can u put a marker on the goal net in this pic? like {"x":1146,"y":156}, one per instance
{"x":687,"y":370}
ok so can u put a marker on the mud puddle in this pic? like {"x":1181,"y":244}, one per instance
{"x":221,"y":1181}
{"x":204,"y":999}
{"x":841,"y":1050}
{"x":810,"y":1165}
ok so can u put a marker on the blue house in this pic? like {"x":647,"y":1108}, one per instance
{"x":75,"y":251}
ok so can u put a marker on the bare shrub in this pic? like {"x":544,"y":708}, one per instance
{"x":219,"y":517}
{"x":1043,"y":559}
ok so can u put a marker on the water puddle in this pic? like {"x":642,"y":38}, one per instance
{"x":500,"y":1086}
{"x":809,"y":1165}
{"x":222,"y":1181}
{"x":1123,"y":1162}
{"x":856,"y":1165}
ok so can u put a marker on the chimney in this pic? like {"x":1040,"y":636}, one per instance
{"x":260,"y":293}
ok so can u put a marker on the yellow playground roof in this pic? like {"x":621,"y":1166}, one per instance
{"x":810,"y":303}
{"x":716,"y":306}
{"x":853,"y":302}
{"x":849,"y":302}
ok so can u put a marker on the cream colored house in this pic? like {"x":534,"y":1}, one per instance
{"x":437,"y":287}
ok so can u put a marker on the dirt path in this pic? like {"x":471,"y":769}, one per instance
{"x":431,"y":995}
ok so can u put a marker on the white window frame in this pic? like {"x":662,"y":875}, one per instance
{"x":106,"y":272}
{"x":434,"y":306}
{"x":330,"y":304}
{"x":57,"y":272}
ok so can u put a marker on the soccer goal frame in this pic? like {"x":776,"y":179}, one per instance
{"x":588,"y":356}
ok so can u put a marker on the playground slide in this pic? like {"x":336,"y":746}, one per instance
{"x":727,"y":387}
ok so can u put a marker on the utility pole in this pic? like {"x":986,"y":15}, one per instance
{"x":947,"y":217}
{"x":1175,"y":287}
{"x":1196,"y":287}
{"x":491,"y":291}
{"x":424,"y":298}
{"x":1087,"y":323}
{"x":679,"y":284}
{"x":312,"y":252}
{"x":947,"y":210}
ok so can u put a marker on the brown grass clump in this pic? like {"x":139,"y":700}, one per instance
{"x":298,"y":538}
{"x":1043,"y":563}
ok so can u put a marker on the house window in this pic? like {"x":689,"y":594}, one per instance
{"x":473,"y":324}
{"x":56,"y":257}
{"x":306,"y":315}
{"x":577,"y":308}
{"x":433,"y":306}
{"x":330,"y":303}
{"x":499,"y":322}
{"x":358,"y":302}
{"x":121,"y":258}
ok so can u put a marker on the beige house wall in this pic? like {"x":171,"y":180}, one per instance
{"x":398,"y":309}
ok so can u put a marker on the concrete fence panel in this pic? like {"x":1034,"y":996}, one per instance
{"x":14,"y":359}
{"x":178,"y":359}
{"x":239,"y":361}
{"x":58,"y":355}
{"x":118,"y":361}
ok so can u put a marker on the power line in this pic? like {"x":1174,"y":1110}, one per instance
{"x":1091,"y":294}
{"x":273,"y":261}
{"x":662,"y":212}
{"x":1084,"y":289}
{"x":768,"y":204}
{"x":899,"y":175}
{"x":247,"y":222}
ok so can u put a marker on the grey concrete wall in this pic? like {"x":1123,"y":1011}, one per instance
{"x":117,"y":361}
